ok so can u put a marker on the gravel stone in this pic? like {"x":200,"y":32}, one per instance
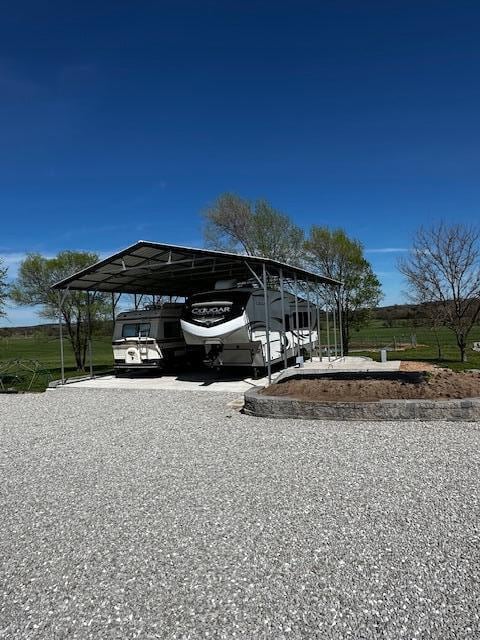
{"x":137,"y":514}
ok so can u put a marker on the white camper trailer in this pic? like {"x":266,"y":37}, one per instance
{"x":149,"y":338}
{"x":230,"y":324}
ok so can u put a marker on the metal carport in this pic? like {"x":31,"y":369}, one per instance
{"x":157,"y":269}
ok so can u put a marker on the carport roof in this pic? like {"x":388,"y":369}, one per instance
{"x":153,"y":268}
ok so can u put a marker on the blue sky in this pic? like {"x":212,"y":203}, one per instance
{"x":121,"y":121}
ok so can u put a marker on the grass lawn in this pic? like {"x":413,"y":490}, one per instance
{"x":47,"y":352}
{"x":377,"y":336}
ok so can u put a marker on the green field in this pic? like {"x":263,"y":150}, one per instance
{"x":376,"y":336}
{"x":367,"y":341}
{"x":47,"y":352}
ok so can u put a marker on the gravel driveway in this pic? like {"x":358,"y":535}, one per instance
{"x":132,"y":514}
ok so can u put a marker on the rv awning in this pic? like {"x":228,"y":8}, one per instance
{"x":152,"y":268}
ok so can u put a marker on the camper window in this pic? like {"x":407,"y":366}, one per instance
{"x":136,"y":330}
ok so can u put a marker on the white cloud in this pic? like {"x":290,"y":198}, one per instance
{"x":387,"y":250}
{"x":12,"y":261}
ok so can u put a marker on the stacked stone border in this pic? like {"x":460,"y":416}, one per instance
{"x":264,"y":406}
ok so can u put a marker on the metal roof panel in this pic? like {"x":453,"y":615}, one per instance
{"x":165,"y":269}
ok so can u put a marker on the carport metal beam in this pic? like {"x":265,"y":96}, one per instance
{"x":334,"y":331}
{"x":89,"y":334}
{"x":340,"y":318}
{"x":267,"y":324}
{"x":297,"y":323}
{"x":309,"y":322}
{"x":282,"y":302}
{"x":132,"y":270}
{"x":61,"y":300}
{"x":328,"y":332}
{"x":319,"y":335}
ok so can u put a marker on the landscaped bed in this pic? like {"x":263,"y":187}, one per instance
{"x":412,"y":393}
{"x":435,"y":384}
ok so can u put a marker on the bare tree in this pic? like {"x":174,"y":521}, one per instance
{"x":443,"y":269}
{"x":3,"y":287}
{"x":228,"y":224}
{"x":235,"y":224}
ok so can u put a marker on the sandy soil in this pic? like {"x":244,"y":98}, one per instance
{"x":407,"y":365}
{"x":440,"y":384}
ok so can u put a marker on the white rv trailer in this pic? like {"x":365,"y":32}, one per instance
{"x":149,"y":338}
{"x":230,"y":324}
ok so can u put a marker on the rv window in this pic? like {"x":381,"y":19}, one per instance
{"x":136,"y":330}
{"x":171,"y":329}
{"x":287,"y":323}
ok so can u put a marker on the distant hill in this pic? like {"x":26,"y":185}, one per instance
{"x":27,"y":332}
{"x":49,"y":330}
{"x":400,"y":311}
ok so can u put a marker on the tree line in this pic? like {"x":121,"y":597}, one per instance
{"x":442,"y":270}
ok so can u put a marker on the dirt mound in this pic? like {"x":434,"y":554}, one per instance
{"x":413,"y":365}
{"x":438,"y":384}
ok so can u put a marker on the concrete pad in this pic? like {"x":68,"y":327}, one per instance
{"x":351,"y":363}
{"x":196,"y":381}
{"x":225,"y":381}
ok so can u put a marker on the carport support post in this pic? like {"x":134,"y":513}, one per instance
{"x":334,"y":330}
{"x":328,"y":332}
{"x":282,"y":302}
{"x":296,"y":314}
{"x":60,"y":328}
{"x":267,"y":323}
{"x":340,"y":319}
{"x":318,"y":328}
{"x":90,"y":355}
{"x":309,"y":320}
{"x":114,"y":304}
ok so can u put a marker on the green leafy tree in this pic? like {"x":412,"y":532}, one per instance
{"x":3,"y":287}
{"x":254,"y":228}
{"x":332,"y":253}
{"x":37,"y":274}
